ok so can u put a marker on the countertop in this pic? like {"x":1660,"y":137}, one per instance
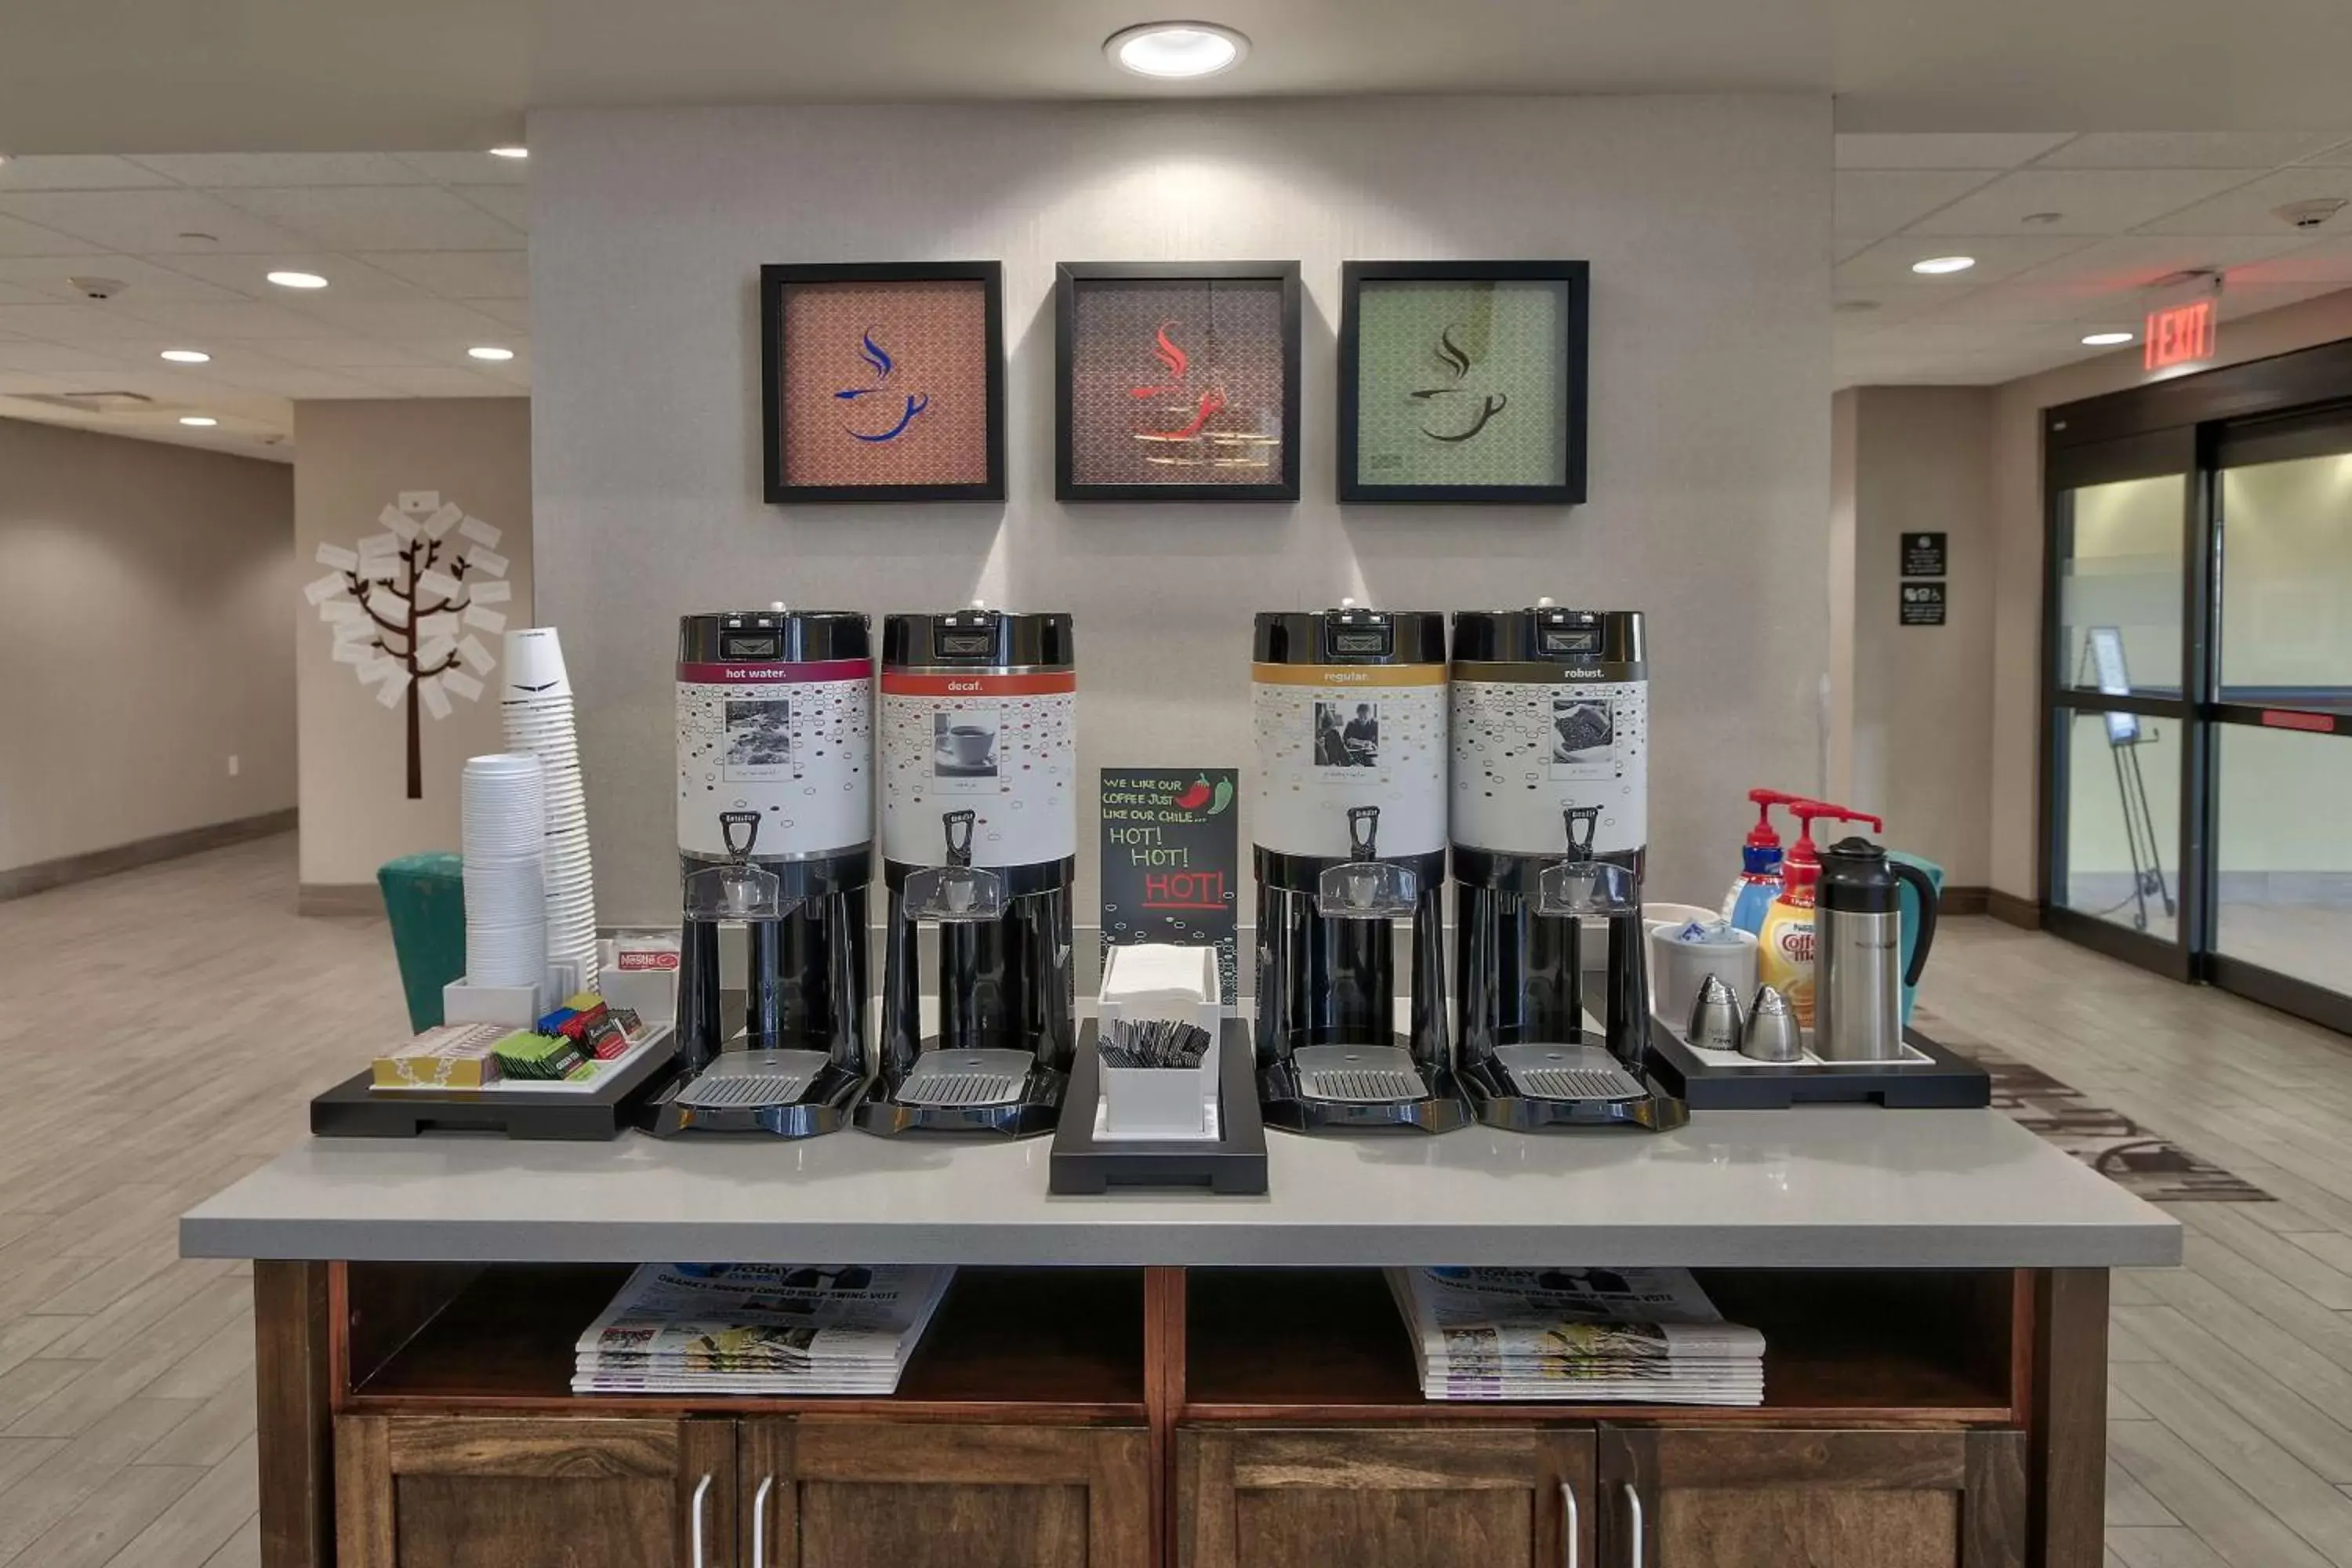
{"x":1822,"y":1186}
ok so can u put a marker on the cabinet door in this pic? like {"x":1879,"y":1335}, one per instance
{"x":1749,"y":1498}
{"x":1454,"y":1496}
{"x":825,"y":1493}
{"x":496,"y":1491}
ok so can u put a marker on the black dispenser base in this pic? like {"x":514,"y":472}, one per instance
{"x":1282,"y":1105}
{"x":1497,"y":1102}
{"x":1233,"y":1164}
{"x":823,"y":1106}
{"x":1035,"y":1111}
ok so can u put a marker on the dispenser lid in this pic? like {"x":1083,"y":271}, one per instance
{"x":773,"y":635}
{"x":978,"y":639}
{"x":1546,"y":633}
{"x":1351,"y":634}
{"x":1855,"y":879}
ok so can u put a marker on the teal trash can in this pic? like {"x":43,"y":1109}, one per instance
{"x":424,"y":895}
{"x":1911,"y":921}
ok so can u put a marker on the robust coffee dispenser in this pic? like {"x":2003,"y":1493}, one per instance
{"x":979,"y":765}
{"x":1549,"y":825}
{"x":775,"y":809}
{"x":1349,"y":828}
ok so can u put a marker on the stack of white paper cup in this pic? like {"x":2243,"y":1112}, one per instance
{"x":537,"y":699}
{"x":504,"y":815}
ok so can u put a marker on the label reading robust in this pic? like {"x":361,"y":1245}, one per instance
{"x":1525,"y":753}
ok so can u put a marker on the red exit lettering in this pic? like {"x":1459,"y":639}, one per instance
{"x":2179,"y":334}
{"x":1184,"y":890}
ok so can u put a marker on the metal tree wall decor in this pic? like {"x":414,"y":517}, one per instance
{"x":406,"y":603}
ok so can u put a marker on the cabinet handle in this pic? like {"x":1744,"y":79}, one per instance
{"x":760,"y":1523}
{"x":1567,"y":1507}
{"x":695,"y":1526}
{"x":1639,"y":1557}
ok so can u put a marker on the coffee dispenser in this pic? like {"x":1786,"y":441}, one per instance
{"x":1549,"y":825}
{"x":980,"y":842}
{"x":776,"y":808}
{"x":1349,"y":823}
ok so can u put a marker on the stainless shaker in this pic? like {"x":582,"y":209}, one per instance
{"x":1715,"y":1017}
{"x":1773,"y":1034}
{"x":1858,"y":977}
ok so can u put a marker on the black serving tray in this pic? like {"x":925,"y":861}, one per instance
{"x":350,"y":1110}
{"x":1234,"y":1164}
{"x":1946,"y":1082}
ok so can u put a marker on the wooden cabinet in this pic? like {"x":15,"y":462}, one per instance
{"x":821,"y":1493}
{"x":1387,"y":1497}
{"x":497,"y":1491}
{"x":1722,"y":1497}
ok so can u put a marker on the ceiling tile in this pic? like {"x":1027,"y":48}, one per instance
{"x":380,"y":217}
{"x":1893,"y":300}
{"x":246,"y":169}
{"x":440,"y":383}
{"x":460,"y":274}
{"x":49,"y":357}
{"x":15,"y":384}
{"x":1943,"y":150}
{"x":1998,"y":256}
{"x":1877,"y":202}
{"x":18,"y":237}
{"x":2322,"y":261}
{"x":76,"y":173}
{"x":2339,"y":153}
{"x":294,"y":381}
{"x":73,"y":324}
{"x":2247,"y":208}
{"x":15,"y":294}
{"x":476,"y":168}
{"x":2088,"y":201}
{"x":2017,"y":302}
{"x":145,"y":222}
{"x":2125,"y":263}
{"x":2188,"y":149}
{"x":46,"y":277}
{"x":347,"y":277}
{"x":401,"y":320}
{"x":204,"y":319}
{"x":515,"y":313}
{"x":510,"y":204}
{"x":2252,"y":298}
{"x":348,"y":354}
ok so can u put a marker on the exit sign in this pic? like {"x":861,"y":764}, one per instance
{"x":2179,"y":334}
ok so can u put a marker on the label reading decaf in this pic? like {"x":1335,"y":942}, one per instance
{"x":1171,"y":860}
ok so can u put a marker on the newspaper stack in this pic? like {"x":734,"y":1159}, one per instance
{"x":1645,"y":1335}
{"x":759,"y":1327}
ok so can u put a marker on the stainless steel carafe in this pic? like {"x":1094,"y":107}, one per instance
{"x":1858,"y":974}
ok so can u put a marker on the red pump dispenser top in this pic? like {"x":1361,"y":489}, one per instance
{"x":1761,"y":835}
{"x":1803,"y":869}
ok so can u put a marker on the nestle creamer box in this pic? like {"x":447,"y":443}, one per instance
{"x":640,"y":972}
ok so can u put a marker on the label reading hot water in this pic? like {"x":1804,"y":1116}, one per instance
{"x":792,"y":742}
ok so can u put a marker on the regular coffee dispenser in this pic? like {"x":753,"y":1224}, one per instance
{"x":978,"y":759}
{"x":1349,"y":823}
{"x":1549,"y":823}
{"x":775,"y":826}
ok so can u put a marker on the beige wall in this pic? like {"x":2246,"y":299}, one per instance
{"x":2016,"y":501}
{"x":1911,"y":710}
{"x":352,"y":460}
{"x":1707,"y":221}
{"x":143,"y":640}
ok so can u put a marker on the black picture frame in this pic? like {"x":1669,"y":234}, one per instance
{"x":1071,"y":276}
{"x":1576,"y":277}
{"x":776,"y":279}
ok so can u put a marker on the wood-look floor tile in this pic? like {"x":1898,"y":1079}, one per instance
{"x":243,"y":1549}
{"x":202,"y":1520}
{"x":2248,"y":1388}
{"x":95,"y":1531}
{"x":2140,"y":1548}
{"x":2252,"y":1459}
{"x":2241,"y":1532}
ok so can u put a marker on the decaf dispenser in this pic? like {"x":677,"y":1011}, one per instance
{"x":775,"y":826}
{"x":1549,"y":825}
{"x":1349,"y":823}
{"x":979,"y":765}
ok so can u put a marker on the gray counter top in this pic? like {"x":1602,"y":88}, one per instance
{"x":1844,"y":1187}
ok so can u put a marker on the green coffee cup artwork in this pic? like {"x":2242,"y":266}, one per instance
{"x":1462,"y":382}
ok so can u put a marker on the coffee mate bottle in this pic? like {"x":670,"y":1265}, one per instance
{"x":1786,"y":944}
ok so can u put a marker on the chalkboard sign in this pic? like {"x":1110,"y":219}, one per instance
{"x":1172,"y":861}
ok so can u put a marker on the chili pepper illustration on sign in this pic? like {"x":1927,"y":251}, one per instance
{"x":1194,"y":798}
{"x":1458,"y":362}
{"x":883,"y":366}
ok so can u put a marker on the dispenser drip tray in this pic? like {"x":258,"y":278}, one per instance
{"x":752,"y":1080}
{"x":1568,"y":1072}
{"x":1358,"y":1075}
{"x":962,"y":1079}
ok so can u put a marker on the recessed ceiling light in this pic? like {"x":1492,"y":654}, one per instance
{"x":187,"y":356}
{"x":1174,"y":50}
{"x":2105,"y":340}
{"x":1940,"y":264}
{"x":510,"y":152}
{"x":298,"y":280}
{"x":201,"y":421}
{"x":490,"y":351}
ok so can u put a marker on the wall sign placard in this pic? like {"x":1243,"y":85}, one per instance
{"x":1923,"y":604}
{"x":884,"y":381}
{"x":1176,"y":382}
{"x":1462,"y":380}
{"x":1926,"y":555}
{"x":1172,"y":861}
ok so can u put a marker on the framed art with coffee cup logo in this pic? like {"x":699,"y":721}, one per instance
{"x":1462,"y":380}
{"x":1176,"y":382}
{"x":884,"y":381}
